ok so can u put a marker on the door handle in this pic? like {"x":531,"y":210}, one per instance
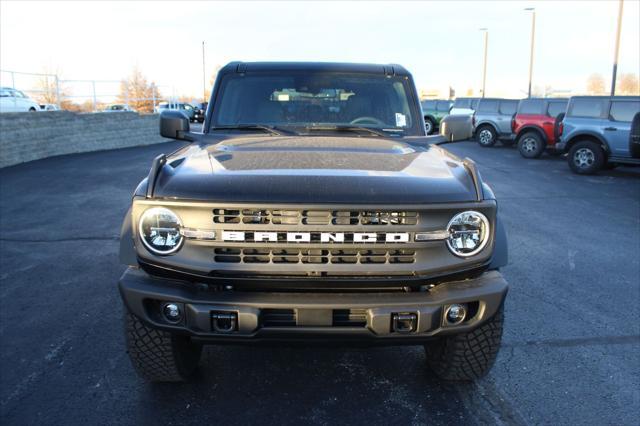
{"x":611,"y":128}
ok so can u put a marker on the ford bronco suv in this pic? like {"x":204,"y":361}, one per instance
{"x":600,"y":131}
{"x":434,"y":111}
{"x":536,"y":125}
{"x":492,"y":120}
{"x":312,"y":208}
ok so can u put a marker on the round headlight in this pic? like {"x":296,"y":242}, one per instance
{"x":468,"y":233}
{"x":160,"y":230}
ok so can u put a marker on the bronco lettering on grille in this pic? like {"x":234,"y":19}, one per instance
{"x":320,"y":237}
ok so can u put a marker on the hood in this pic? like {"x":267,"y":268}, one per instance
{"x":315,"y":170}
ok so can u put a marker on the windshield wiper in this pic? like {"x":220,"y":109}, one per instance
{"x":271,"y":129}
{"x":354,"y":129}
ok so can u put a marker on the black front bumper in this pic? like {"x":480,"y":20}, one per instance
{"x":313,"y":314}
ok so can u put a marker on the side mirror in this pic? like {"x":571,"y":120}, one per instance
{"x":456,"y":127}
{"x":174,"y":125}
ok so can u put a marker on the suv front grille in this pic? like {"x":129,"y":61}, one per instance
{"x":313,"y":256}
{"x":314,"y":217}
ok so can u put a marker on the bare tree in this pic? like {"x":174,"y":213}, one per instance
{"x":628,"y":84}
{"x":595,"y":85}
{"x":137,"y":92}
{"x":50,"y":89}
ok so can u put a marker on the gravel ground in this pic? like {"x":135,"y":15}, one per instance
{"x":570,"y":353}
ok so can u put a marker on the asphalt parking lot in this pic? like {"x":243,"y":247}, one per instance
{"x":570,"y":352}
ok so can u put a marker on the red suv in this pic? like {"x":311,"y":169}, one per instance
{"x":537,"y":125}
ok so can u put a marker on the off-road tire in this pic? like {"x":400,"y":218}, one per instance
{"x":158,"y":356}
{"x":480,"y":136}
{"x":594,"y":160}
{"x":430,"y":125}
{"x":467,"y":356}
{"x":531,"y":145}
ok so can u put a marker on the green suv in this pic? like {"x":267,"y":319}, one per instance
{"x":434,"y":111}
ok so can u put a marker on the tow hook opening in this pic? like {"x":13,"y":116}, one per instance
{"x":224,"y":322}
{"x":404,"y":322}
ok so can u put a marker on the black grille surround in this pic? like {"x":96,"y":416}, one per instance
{"x":249,"y":259}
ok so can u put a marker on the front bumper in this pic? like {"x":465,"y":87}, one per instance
{"x":311,"y":315}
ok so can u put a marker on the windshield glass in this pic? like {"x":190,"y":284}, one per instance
{"x":315,"y":99}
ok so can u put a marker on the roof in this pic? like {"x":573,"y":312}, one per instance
{"x":545,"y":99}
{"x":390,"y":69}
{"x":629,"y":98}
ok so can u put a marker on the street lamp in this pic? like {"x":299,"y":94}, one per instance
{"x":617,"y":51}
{"x":484,"y":66}
{"x":204,"y":84}
{"x":533,"y":37}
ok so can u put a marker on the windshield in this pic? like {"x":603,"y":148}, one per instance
{"x":315,"y":99}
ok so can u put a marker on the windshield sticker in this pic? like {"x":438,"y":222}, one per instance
{"x":401,"y":120}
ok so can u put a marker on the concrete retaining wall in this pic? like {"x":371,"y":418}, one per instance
{"x":29,"y":136}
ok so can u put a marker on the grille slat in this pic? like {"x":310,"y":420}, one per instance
{"x":315,"y":217}
{"x":312,"y":256}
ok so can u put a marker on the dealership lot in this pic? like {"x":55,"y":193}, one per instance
{"x":571,"y":344}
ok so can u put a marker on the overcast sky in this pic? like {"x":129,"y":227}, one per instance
{"x":438,"y":42}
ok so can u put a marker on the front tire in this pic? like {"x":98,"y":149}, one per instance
{"x":486,"y":136}
{"x":159,"y":356}
{"x":531,"y":145}
{"x":429,"y":125}
{"x":586,"y":158}
{"x":467,"y":356}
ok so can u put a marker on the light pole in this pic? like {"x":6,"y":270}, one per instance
{"x":617,"y":50}
{"x":204,"y":84}
{"x":533,"y":38}
{"x":484,"y":66}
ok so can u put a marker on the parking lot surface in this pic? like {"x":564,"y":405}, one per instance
{"x":570,"y":355}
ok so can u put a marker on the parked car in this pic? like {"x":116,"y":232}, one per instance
{"x":118,"y":108}
{"x":313,"y":214}
{"x":434,"y":111}
{"x":492,"y":121}
{"x":597,"y":132}
{"x":464,"y":106}
{"x":187,"y":109}
{"x":536,"y":125}
{"x":49,"y":107}
{"x":12,"y":100}
{"x":201,"y":110}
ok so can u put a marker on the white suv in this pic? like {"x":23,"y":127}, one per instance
{"x":464,"y":106}
{"x":12,"y":100}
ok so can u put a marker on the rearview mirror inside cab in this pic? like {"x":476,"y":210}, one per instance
{"x":456,"y":127}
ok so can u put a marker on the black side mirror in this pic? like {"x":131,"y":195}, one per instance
{"x":174,"y":125}
{"x":456,"y":127}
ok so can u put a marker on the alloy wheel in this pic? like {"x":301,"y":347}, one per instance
{"x":529,"y":145}
{"x":485,"y":137}
{"x":584,"y":158}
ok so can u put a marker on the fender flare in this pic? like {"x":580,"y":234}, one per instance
{"x":486,"y":123}
{"x":127,"y":248}
{"x":573,"y":138}
{"x":532,"y":127}
{"x":432,"y":118}
{"x":500,"y":256}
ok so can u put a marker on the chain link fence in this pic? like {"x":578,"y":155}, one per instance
{"x":52,"y":92}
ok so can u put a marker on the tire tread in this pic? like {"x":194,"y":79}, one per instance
{"x":467,"y":356}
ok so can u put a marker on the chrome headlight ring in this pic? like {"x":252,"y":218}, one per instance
{"x":159,"y":230}
{"x":469,"y":233}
